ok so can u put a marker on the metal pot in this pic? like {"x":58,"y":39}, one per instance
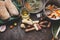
{"x":35,"y":6}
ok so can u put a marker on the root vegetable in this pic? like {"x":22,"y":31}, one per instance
{"x":3,"y":11}
{"x":11,"y":7}
{"x":27,"y":21}
{"x":22,"y":26}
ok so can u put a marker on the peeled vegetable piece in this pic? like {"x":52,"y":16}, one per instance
{"x":3,"y":11}
{"x":11,"y":8}
{"x":2,"y":28}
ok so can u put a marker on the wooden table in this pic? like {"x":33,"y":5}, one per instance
{"x":18,"y":34}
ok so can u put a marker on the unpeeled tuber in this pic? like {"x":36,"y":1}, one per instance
{"x":3,"y":11}
{"x":11,"y":8}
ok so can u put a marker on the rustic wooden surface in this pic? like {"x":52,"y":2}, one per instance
{"x":18,"y":34}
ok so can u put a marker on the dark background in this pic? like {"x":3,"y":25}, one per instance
{"x":18,"y":34}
